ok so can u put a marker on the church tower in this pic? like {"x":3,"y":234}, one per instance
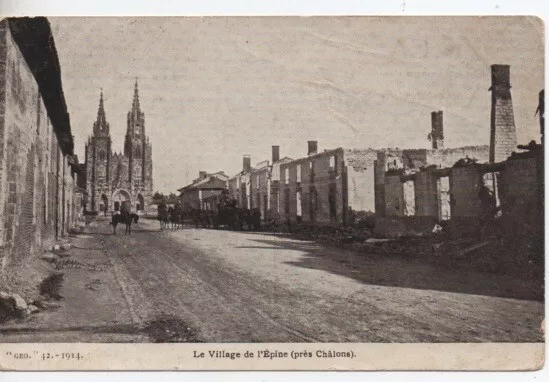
{"x":98,"y":157}
{"x":115,"y":179}
{"x":135,"y":140}
{"x":138,"y":150}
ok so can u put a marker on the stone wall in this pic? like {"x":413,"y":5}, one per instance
{"x":386,"y":160}
{"x":36,"y":184}
{"x":417,"y":159}
{"x":275,"y":206}
{"x":260,"y":189}
{"x":394,"y":196}
{"x":521,"y":187}
{"x":448,"y":157}
{"x":425,"y":183}
{"x":245,"y":187}
{"x":360,"y":166}
{"x":465,"y":183}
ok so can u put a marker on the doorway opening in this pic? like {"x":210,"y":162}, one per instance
{"x":443,"y":192}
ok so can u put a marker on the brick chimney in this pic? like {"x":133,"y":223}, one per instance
{"x":503,"y":135}
{"x":312,"y":147}
{"x":276,"y":153}
{"x":246,"y":163}
{"x":202,"y":174}
{"x":437,"y":130}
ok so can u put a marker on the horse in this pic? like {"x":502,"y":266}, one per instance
{"x":175,"y":216}
{"x":162,"y":216}
{"x":169,"y":216}
{"x":124,"y":217}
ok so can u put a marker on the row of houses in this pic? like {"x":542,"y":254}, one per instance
{"x":40,"y":177}
{"x":326,"y":187}
{"x":320,"y":187}
{"x":331,"y":186}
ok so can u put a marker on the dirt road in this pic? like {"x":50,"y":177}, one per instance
{"x":252,"y":287}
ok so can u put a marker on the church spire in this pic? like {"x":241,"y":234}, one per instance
{"x":101,"y":111}
{"x":136,"y":124}
{"x":101,"y":125}
{"x":135,"y":105}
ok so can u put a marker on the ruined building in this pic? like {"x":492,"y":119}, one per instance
{"x":395,"y":191}
{"x":330,"y":186}
{"x":116,"y":178}
{"x":317,"y":188}
{"x":257,"y":186}
{"x":419,"y":188}
{"x":322,"y":187}
{"x":395,"y":199}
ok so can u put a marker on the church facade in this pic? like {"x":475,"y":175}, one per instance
{"x":114,"y":179}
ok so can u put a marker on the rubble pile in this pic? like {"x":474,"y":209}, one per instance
{"x":330,"y":235}
{"x":12,"y":305}
{"x":488,"y":250}
{"x":409,"y":247}
{"x":41,"y":289}
{"x":490,"y":254}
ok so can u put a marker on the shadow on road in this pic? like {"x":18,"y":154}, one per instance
{"x":375,"y":269}
{"x":396,"y":272}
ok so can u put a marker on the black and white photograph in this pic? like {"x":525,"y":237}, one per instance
{"x":272,"y":180}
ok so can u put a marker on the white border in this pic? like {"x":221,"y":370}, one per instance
{"x":279,"y":7}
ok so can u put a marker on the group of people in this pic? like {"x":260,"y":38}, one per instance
{"x":170,"y":216}
{"x":226,"y":215}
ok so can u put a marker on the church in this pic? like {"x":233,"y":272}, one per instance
{"x":113,"y":179}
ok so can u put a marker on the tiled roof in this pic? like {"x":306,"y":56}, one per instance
{"x":201,"y":183}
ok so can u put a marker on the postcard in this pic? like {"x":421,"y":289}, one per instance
{"x":272,"y":193}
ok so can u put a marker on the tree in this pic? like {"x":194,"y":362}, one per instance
{"x":158,"y":197}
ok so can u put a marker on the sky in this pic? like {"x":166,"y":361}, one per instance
{"x":216,"y":88}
